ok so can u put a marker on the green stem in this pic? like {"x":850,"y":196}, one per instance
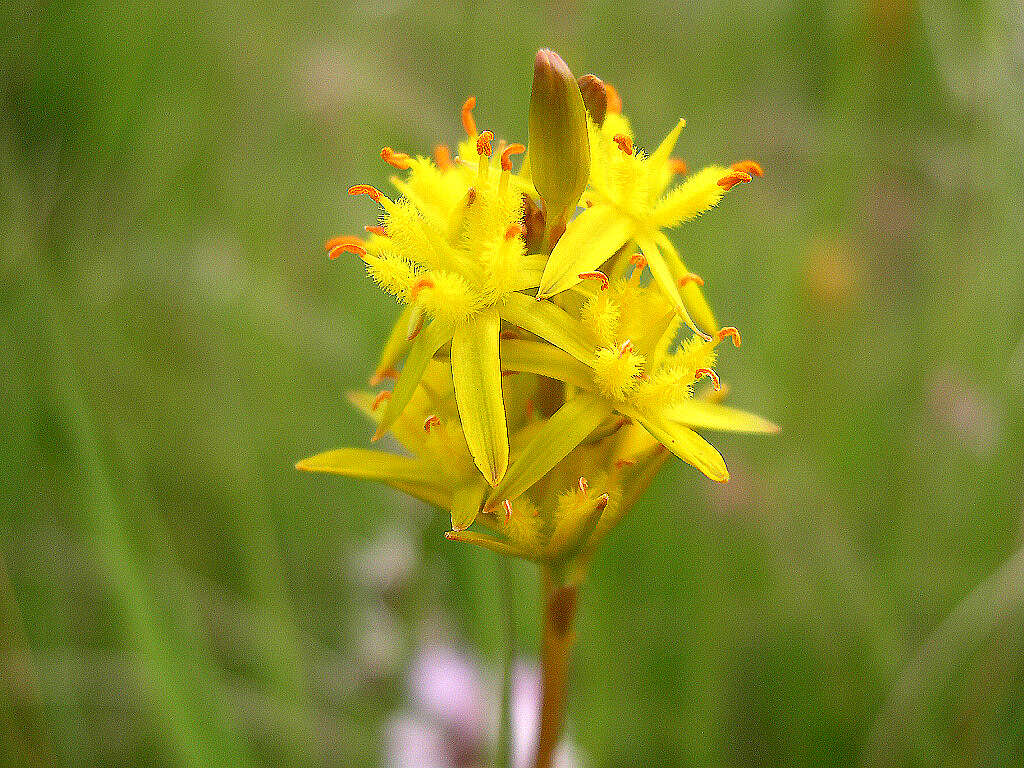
{"x":556,"y":643}
{"x":503,"y":754}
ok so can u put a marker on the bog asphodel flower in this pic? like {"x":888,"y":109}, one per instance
{"x":541,"y":374}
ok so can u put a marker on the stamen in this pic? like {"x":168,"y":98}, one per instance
{"x":483,"y":144}
{"x":508,"y":509}
{"x":509,"y":373}
{"x":431,"y":421}
{"x":589,"y":203}
{"x":623,"y":463}
{"x":468,"y":123}
{"x":602,"y":501}
{"x":387,"y":373}
{"x":677,"y":165}
{"x":508,"y":335}
{"x":471,"y":196}
{"x":730,"y":180}
{"x":513,"y":232}
{"x":419,"y":285}
{"x":365,"y":189}
{"x":627,"y":347}
{"x":511,"y":149}
{"x":344,"y":244}
{"x":443,"y":157}
{"x":596,"y":275}
{"x":376,"y":229}
{"x":729,"y":331}
{"x":399,"y":160}
{"x":702,"y":372}
{"x":614,"y":100}
{"x":625,"y":143}
{"x":690,"y":277}
{"x":380,"y":398}
{"x":748,"y":166}
{"x":638,"y":260}
{"x":415,"y":324}
{"x":583,"y":485}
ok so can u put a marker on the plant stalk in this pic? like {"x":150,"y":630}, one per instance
{"x":556,"y":643}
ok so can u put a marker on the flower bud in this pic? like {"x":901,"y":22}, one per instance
{"x":559,"y":142}
{"x":595,"y":96}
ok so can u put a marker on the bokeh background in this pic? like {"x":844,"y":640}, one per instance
{"x":172,"y":340}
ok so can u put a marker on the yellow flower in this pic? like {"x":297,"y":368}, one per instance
{"x":631,"y":202}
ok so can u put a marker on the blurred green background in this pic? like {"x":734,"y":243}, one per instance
{"x":173,"y":339}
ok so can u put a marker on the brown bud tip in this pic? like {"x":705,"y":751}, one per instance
{"x":595,"y":97}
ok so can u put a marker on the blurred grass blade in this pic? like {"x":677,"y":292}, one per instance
{"x":476,"y":371}
{"x":591,"y":239}
{"x":686,"y":444}
{"x":548,"y":321}
{"x":545,"y":360}
{"x":567,"y":428}
{"x":426,"y":343}
{"x":700,"y":414}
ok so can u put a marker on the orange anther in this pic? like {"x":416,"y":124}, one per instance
{"x":596,"y":275}
{"x":638,"y":260}
{"x":380,"y":398}
{"x":589,"y":203}
{"x":387,"y":373}
{"x":748,"y":166}
{"x":471,"y":196}
{"x":614,"y":100}
{"x":583,"y":485}
{"x":509,"y":373}
{"x":513,"y":232}
{"x":508,"y":509}
{"x":483,"y":143}
{"x":431,"y":421}
{"x":602,"y":501}
{"x":623,"y":463}
{"x":399,"y":160}
{"x":419,"y":285}
{"x":625,"y":143}
{"x":733,"y":178}
{"x":690,"y":277}
{"x":625,"y":348}
{"x":729,"y":331}
{"x":506,"y":155}
{"x":702,"y":372}
{"x":366,"y":189}
{"x":376,"y":229}
{"x":467,"y":116}
{"x":677,"y":165}
{"x":443,"y":157}
{"x":344,"y":244}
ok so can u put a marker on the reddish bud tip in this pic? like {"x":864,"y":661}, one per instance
{"x":730,"y":180}
{"x":595,"y":97}
{"x":729,"y":331}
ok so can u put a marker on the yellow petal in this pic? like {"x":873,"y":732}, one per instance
{"x":590,"y":239}
{"x":700,"y":414}
{"x":429,"y":340}
{"x":662,"y":273}
{"x":545,"y":360}
{"x":487,"y":542}
{"x":664,"y":150}
{"x":697,"y":194}
{"x":466,"y":504}
{"x":567,"y":428}
{"x":548,"y":321}
{"x":476,"y":371}
{"x":396,"y":345}
{"x":692,"y":293}
{"x":411,"y":476}
{"x":686,"y":444}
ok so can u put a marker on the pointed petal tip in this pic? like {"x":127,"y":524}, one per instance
{"x":302,"y":466}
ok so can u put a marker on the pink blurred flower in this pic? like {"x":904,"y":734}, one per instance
{"x":453,"y":717}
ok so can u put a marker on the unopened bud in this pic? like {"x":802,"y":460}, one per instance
{"x":559,"y":142}
{"x":595,"y":97}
